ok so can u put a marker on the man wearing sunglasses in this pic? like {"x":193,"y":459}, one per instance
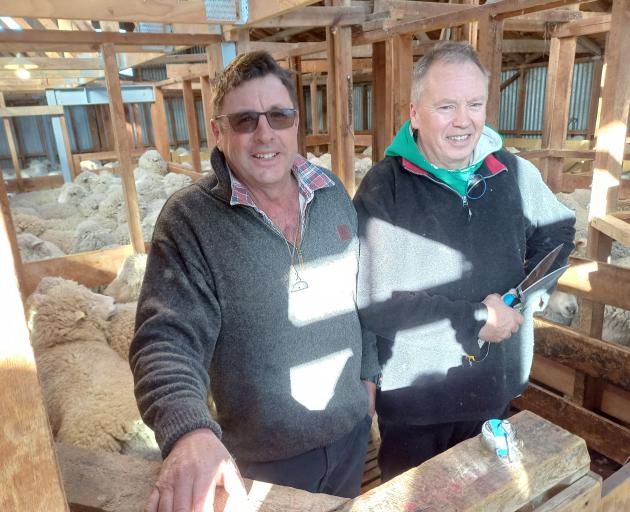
{"x":449,"y":221}
{"x":250,"y":292}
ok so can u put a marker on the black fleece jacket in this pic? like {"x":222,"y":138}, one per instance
{"x":428,"y":259}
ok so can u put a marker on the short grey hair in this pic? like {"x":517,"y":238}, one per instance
{"x":448,"y":53}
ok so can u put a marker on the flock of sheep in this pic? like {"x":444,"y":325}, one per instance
{"x":81,"y":338}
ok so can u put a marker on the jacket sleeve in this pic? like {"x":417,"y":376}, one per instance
{"x":549,"y":222}
{"x":384,"y":310}
{"x":177,"y":324}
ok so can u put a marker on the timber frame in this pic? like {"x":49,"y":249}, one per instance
{"x":578,"y":381}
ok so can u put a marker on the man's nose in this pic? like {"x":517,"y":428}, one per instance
{"x":462,"y":117}
{"x":264,"y":132}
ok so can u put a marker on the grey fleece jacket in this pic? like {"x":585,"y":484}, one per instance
{"x":216,"y":312}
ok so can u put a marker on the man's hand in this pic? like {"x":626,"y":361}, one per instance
{"x":502,"y":322}
{"x":370,"y":387}
{"x":197,"y":463}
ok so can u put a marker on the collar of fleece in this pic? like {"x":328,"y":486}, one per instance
{"x":405,"y":146}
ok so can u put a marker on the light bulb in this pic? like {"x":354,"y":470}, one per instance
{"x":22,"y":73}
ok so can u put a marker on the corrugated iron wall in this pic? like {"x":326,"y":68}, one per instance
{"x":536,"y":84}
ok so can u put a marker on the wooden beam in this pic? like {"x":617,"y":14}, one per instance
{"x":601,"y":434}
{"x":314,"y":109}
{"x":295,"y":64}
{"x":123,"y":147}
{"x":317,"y":17}
{"x":191,"y":124}
{"x":403,"y":67}
{"x":206,"y":101}
{"x":29,"y":472}
{"x":36,"y":183}
{"x":583,"y":495}
{"x":616,"y":491}
{"x":613,"y":227}
{"x":597,"y":281}
{"x":588,"y":26}
{"x":50,"y":64}
{"x":50,"y":39}
{"x":597,"y":358}
{"x":37,"y":110}
{"x":66,"y":145}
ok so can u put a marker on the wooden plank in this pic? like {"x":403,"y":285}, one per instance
{"x":94,"y":268}
{"x":111,"y":482}
{"x":581,"y":496}
{"x":597,"y":281}
{"x":180,"y":169}
{"x":36,"y":183}
{"x":597,"y":358}
{"x":490,"y":44}
{"x":123,"y":147}
{"x":314,"y":109}
{"x":613,"y":227}
{"x":29,"y":473}
{"x":317,"y":17}
{"x":47,"y":63}
{"x":8,"y":228}
{"x":615,"y":402}
{"x":616,"y":491}
{"x":137,"y":125}
{"x":468,"y":477}
{"x":37,"y":110}
{"x":550,"y":373}
{"x":295,"y":63}
{"x":557,"y":102}
{"x":191,"y":124}
{"x":66,"y":146}
{"x":601,"y":434}
{"x":322,"y":139}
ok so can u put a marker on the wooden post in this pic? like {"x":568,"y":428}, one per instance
{"x":490,"y":52}
{"x":382,"y":108}
{"x":8,"y":131}
{"x":129,"y":122}
{"x":557,"y":102}
{"x":403,"y":68}
{"x":28,"y":472}
{"x":94,"y":135}
{"x":122,"y":146}
{"x":66,"y":145}
{"x":160,"y":126}
{"x":596,"y":89}
{"x":341,"y":120}
{"x":314,"y":109}
{"x":137,"y":125}
{"x":206,"y":101}
{"x":191,"y":124}
{"x":296,"y":65}
{"x":522,"y":96}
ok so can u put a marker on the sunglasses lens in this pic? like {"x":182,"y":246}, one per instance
{"x":244,"y":122}
{"x":281,"y":119}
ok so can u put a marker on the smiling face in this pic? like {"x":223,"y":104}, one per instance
{"x":450,"y":113}
{"x":261,"y":159}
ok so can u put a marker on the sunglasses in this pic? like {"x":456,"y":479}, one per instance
{"x":247,"y":122}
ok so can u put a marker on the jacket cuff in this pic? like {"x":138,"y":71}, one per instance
{"x":180,"y":422}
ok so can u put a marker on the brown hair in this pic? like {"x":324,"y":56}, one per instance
{"x":447,"y":52}
{"x":248,"y":66}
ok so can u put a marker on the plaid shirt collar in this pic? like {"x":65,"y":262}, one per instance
{"x":309,"y":179}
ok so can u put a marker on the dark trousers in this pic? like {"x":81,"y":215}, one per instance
{"x":335,"y":469}
{"x":406,"y":446}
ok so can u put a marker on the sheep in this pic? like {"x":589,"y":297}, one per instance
{"x":152,"y":160}
{"x":174,"y":181}
{"x":103,"y":182}
{"x":120,"y":328}
{"x":57,"y":210}
{"x":71,"y":193}
{"x":90,"y":204}
{"x":126,"y":286}
{"x":34,"y":248}
{"x":61,"y":309}
{"x":87,"y":387}
{"x":86,"y":179}
{"x":149,"y":187}
{"x":65,"y":240}
{"x":23,"y":209}
{"x":367,"y":152}
{"x":121,"y":234}
{"x":28,"y":224}
{"x":561,"y":308}
{"x":148,"y":224}
{"x":113,"y":202}
{"x":90,"y":236}
{"x":90,"y":165}
{"x":37,"y":168}
{"x":362,"y":166}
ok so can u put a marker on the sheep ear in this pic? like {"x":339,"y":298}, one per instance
{"x":37,"y":243}
{"x":79,"y":315}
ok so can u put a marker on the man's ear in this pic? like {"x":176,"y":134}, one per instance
{"x":217,"y":133}
{"x":413,"y":115}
